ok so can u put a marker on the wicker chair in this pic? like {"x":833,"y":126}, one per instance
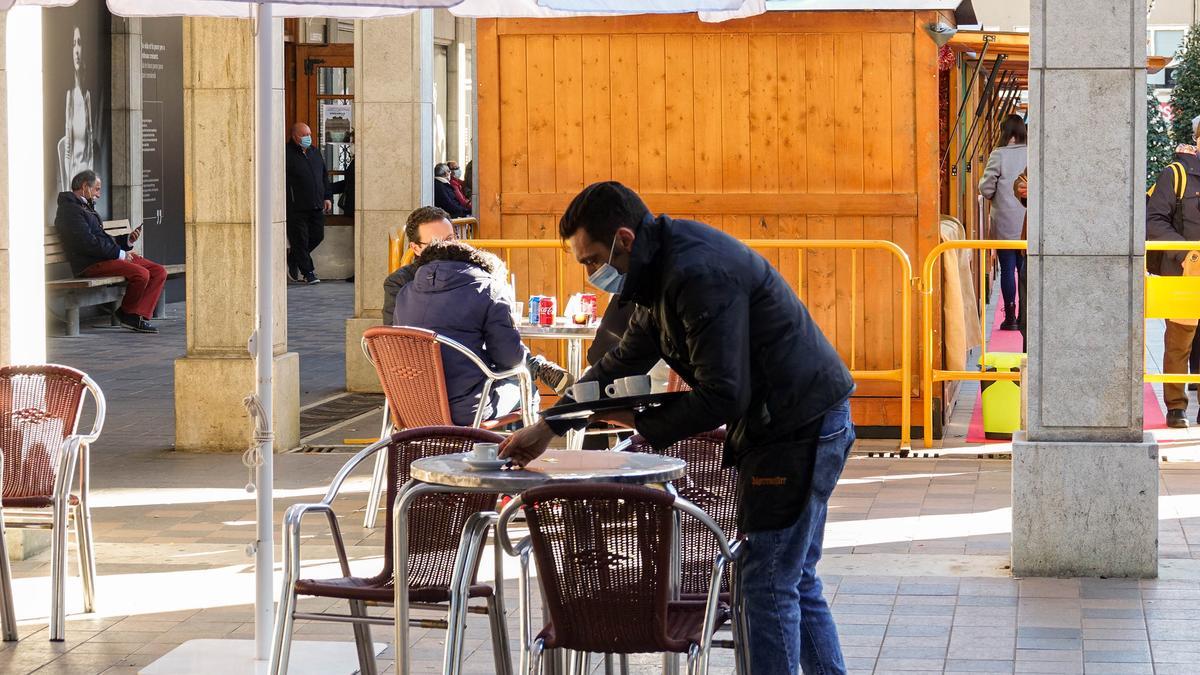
{"x":603,"y":553}
{"x":409,"y":364}
{"x":439,"y":527}
{"x":41,"y":450}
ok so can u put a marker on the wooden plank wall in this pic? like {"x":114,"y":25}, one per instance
{"x":817,"y":125}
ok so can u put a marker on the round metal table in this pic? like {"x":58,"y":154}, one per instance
{"x":449,"y":473}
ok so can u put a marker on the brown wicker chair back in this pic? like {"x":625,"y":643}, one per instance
{"x":39,"y":408}
{"x":409,"y":364}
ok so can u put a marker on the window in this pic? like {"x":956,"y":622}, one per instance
{"x":1163,"y":41}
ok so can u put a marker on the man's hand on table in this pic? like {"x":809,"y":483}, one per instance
{"x":527,"y":444}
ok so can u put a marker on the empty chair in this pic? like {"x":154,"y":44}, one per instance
{"x":438,"y":524}
{"x":46,"y":467}
{"x":409,"y":364}
{"x":604,"y":554}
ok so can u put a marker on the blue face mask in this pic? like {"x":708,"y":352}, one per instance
{"x":607,"y":278}
{"x":306,"y":141}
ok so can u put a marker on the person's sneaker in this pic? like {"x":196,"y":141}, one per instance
{"x":551,"y":374}
{"x":294,"y":275}
{"x":1177,"y":419}
{"x":135,"y":323}
{"x":311,"y":279}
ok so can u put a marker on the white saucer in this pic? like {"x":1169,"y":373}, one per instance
{"x":485,"y":464}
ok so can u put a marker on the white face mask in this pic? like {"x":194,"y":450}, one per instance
{"x":607,"y":278}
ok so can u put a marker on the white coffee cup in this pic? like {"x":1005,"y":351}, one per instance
{"x":635,"y":385}
{"x":485,"y":451}
{"x":584,"y":392}
{"x":616,"y":389}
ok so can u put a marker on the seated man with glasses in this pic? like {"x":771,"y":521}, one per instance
{"x":430,"y":224}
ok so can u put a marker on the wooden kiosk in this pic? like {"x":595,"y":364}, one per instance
{"x":787,"y":125}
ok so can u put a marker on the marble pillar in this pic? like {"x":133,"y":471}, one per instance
{"x":218,"y":371}
{"x":1085,"y":476}
{"x":5,"y":267}
{"x":124,"y":187}
{"x":394,"y":167}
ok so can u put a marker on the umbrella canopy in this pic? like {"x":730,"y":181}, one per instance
{"x":710,"y":10}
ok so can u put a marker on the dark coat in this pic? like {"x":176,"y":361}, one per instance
{"x":307,"y":180}
{"x":82,"y":233}
{"x":466,"y":304}
{"x":1170,"y":219}
{"x":444,"y":198}
{"x":392,"y":285}
{"x":724,"y":319}
{"x":345,"y":187}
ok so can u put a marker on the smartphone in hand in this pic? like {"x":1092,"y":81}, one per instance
{"x":135,"y":234}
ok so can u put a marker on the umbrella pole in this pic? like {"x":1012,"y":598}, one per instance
{"x":265,"y":136}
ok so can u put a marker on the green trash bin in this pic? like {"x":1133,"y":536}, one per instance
{"x":1001,"y":399}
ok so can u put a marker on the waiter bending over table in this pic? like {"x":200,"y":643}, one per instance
{"x":725,"y":320}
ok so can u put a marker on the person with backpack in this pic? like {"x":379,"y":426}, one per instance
{"x":1006,"y":162}
{"x":1173,"y":214}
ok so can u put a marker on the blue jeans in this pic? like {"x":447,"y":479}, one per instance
{"x":790,"y":623}
{"x":1011,"y":264}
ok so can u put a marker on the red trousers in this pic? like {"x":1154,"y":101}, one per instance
{"x":144,"y":282}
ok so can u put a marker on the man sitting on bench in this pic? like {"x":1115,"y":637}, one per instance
{"x":93,"y":252}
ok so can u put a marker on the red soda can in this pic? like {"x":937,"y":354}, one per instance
{"x":547,"y":310}
{"x":587,"y":303}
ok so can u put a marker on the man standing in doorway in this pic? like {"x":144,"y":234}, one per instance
{"x":309,"y":198}
{"x":732,"y":328}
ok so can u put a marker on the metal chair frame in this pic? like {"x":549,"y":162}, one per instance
{"x":532,"y":648}
{"x":466,"y":562}
{"x":76,"y":452}
{"x":528,"y":416}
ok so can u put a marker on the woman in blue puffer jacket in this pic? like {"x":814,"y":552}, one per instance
{"x":459,"y":292}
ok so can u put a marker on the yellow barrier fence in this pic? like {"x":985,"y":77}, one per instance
{"x":929,"y":374}
{"x":1172,"y":298}
{"x":901,"y":375}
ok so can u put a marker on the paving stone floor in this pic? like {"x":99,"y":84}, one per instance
{"x":915,"y":567}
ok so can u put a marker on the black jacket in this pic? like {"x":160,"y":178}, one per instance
{"x":444,"y":198}
{"x":724,"y":319}
{"x":392,"y":285}
{"x":307,"y":180}
{"x":82,"y":233}
{"x":610,"y":331}
{"x":1169,"y":218}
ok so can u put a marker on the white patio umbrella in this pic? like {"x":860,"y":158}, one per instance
{"x":265,"y":11}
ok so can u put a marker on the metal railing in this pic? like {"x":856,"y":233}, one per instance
{"x":929,"y":374}
{"x":902,"y":375}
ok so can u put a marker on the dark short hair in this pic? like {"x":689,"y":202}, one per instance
{"x":462,"y":252}
{"x":85,"y":177}
{"x":602,"y":209}
{"x":1013,"y":128}
{"x":422,"y":215}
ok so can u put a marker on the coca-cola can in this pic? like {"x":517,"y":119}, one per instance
{"x":587,"y":304}
{"x":535,"y":307}
{"x":547,"y":310}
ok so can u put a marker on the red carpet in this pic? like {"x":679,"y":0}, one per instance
{"x":1010,"y":341}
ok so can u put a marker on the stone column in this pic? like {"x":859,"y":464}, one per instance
{"x":218,"y":371}
{"x":393,"y":175}
{"x":1085,"y":477}
{"x":125,"y":184}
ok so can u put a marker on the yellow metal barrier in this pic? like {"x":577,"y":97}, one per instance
{"x":1172,"y":298}
{"x":901,"y":375}
{"x":930,"y":375}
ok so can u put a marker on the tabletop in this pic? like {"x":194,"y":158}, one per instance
{"x":559,"y":331}
{"x":554,"y":466}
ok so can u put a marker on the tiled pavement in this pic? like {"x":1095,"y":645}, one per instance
{"x":915,"y":565}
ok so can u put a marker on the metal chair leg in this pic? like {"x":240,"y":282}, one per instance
{"x":8,"y":615}
{"x":536,"y":653}
{"x":58,"y":572}
{"x":608,"y":665}
{"x":624,"y":659}
{"x":281,"y":647}
{"x":378,"y":475}
{"x":87,"y":554}
{"x":693,"y":660}
{"x":362,"y":640}
{"x":501,"y":655}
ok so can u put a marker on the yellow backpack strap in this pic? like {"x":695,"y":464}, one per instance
{"x":1180,"y":179}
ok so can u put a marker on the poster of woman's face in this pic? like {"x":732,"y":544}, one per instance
{"x":77,"y":76}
